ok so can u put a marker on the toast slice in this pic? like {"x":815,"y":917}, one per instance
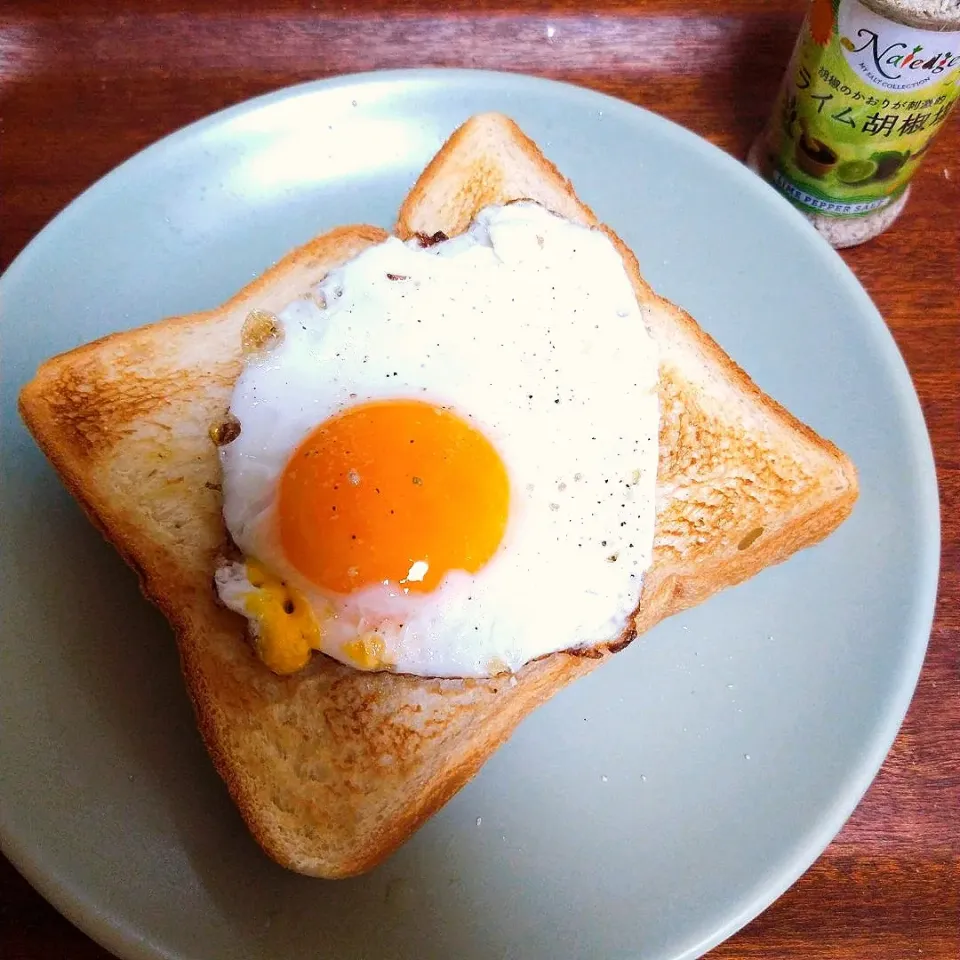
{"x":333,"y":768}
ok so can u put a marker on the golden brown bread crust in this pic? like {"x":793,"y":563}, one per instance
{"x":332,"y":769}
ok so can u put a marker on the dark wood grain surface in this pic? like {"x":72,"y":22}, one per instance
{"x":85,"y":84}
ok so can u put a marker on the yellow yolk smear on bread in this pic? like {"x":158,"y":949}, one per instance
{"x":368,"y":652}
{"x":287,"y":630}
{"x":395,"y":491}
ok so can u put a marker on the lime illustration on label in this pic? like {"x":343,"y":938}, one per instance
{"x":859,"y":105}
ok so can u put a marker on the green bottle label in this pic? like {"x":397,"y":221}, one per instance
{"x":860,"y":102}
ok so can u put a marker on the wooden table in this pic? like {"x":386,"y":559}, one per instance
{"x":86,"y":83}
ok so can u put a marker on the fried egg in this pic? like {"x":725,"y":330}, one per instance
{"x":442,"y":459}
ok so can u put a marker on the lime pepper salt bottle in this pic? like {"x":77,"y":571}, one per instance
{"x":869,"y":85}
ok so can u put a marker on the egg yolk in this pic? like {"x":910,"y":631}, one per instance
{"x":394,"y":490}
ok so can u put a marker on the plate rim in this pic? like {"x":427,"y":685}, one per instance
{"x":119,"y":938}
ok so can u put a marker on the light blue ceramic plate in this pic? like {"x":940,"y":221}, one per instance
{"x":650,"y":810}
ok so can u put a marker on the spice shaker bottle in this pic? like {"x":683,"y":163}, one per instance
{"x":869,"y":85}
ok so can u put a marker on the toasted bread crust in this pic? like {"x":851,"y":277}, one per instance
{"x":331,"y":768}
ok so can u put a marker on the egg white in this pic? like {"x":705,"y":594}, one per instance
{"x":528,"y":327}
